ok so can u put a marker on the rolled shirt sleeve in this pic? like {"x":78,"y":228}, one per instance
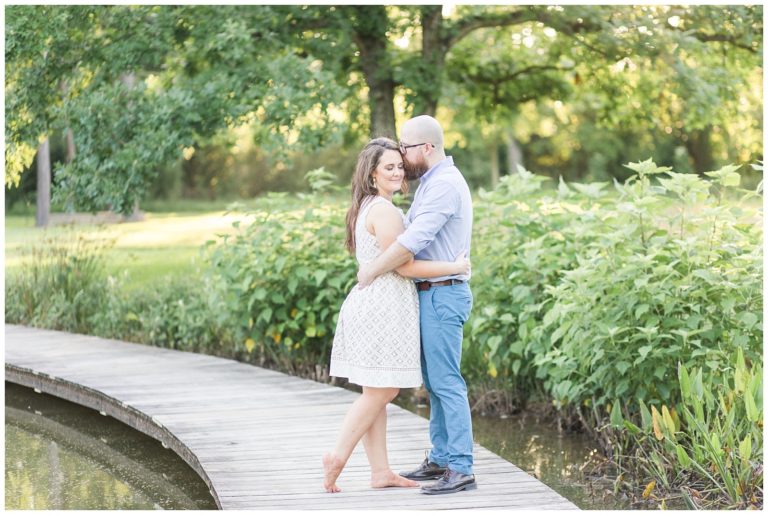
{"x":440,"y":201}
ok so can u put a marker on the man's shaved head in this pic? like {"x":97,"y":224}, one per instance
{"x":422,"y":129}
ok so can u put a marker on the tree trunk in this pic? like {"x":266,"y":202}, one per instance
{"x":432,"y":59}
{"x":514,"y":154}
{"x":477,"y":162}
{"x":70,"y":145}
{"x":495,"y":171}
{"x":129,"y":81}
{"x":371,"y":38}
{"x":382,"y":98}
{"x":699,"y":146}
{"x":68,"y":132}
{"x":43,"y":209}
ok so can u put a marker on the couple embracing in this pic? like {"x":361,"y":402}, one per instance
{"x":403,"y":322}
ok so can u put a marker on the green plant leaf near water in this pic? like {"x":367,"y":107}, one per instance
{"x":745,"y":449}
{"x":682,"y":456}
{"x":616,"y":418}
{"x":669,"y":424}
{"x":645,"y":416}
{"x":685,"y":381}
{"x":751,"y":407}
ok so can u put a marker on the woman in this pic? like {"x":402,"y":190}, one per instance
{"x":376,"y":344}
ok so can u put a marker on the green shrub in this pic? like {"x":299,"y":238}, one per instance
{"x":525,"y":238}
{"x":59,"y":283}
{"x":175,"y":313}
{"x":286,"y":275}
{"x":657,"y":286}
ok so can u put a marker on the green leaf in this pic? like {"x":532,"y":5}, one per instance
{"x":616,"y":419}
{"x":715,"y":442}
{"x":685,"y":380}
{"x":645,"y":417}
{"x":632,"y":428}
{"x":647,"y":167}
{"x":641,"y":310}
{"x":745,"y":449}
{"x":749,"y":319}
{"x":732,"y":179}
{"x":493,"y":344}
{"x":682,"y":456}
{"x":751,"y":407}
{"x":320,"y":275}
{"x":667,"y":418}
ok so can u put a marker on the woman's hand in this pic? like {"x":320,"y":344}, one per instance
{"x":463,"y":266}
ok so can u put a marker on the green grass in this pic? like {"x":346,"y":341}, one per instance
{"x":162,"y":245}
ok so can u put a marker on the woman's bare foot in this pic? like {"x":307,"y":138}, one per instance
{"x":389,"y":478}
{"x":332,"y":467}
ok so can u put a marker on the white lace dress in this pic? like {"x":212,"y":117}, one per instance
{"x":377,"y":333}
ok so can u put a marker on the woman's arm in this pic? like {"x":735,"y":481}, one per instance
{"x":419,"y":269}
{"x":386,"y":223}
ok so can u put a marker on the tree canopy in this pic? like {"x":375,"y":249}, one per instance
{"x":139,"y":84}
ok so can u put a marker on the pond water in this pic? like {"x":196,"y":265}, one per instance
{"x":536,"y":446}
{"x":59,"y":455}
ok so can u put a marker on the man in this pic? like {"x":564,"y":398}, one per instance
{"x":439,"y":229}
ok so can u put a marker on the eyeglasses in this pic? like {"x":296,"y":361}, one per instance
{"x":404,"y":148}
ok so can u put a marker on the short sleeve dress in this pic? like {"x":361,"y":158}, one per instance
{"x":377,"y":334}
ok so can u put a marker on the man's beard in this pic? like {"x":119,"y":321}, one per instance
{"x":414,"y":170}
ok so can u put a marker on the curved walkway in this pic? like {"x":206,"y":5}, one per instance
{"x":255,"y":436}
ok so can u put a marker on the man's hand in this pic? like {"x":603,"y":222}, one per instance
{"x":364,"y":276}
{"x":463,"y":265}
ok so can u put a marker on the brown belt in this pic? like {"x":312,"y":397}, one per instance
{"x":426,"y":285}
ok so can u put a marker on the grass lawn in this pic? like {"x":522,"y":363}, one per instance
{"x":163,"y":244}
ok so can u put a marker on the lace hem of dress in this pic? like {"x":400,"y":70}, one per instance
{"x":377,"y":378}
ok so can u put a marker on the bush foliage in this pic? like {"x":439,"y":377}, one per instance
{"x":615,"y":302}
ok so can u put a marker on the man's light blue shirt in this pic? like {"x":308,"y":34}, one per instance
{"x":439,"y":222}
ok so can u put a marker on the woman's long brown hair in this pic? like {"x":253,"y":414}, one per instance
{"x":362,"y":182}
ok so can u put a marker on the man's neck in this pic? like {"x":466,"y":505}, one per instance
{"x":432,"y":161}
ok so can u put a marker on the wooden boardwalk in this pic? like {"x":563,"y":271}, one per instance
{"x":255,"y":436}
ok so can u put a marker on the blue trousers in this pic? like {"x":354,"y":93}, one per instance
{"x":443,"y":312}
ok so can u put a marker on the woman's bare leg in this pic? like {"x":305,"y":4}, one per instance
{"x":357,"y":421}
{"x":375,"y":442}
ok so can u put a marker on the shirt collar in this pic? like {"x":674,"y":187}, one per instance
{"x":448,"y":161}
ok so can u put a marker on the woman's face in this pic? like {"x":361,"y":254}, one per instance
{"x":389,"y":173}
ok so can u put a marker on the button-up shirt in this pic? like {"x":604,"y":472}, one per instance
{"x":439,"y":222}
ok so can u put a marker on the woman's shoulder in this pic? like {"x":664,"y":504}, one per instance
{"x":381,"y":204}
{"x":375,"y":202}
{"x":385,"y":211}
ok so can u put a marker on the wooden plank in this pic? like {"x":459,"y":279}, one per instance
{"x":255,"y":436}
